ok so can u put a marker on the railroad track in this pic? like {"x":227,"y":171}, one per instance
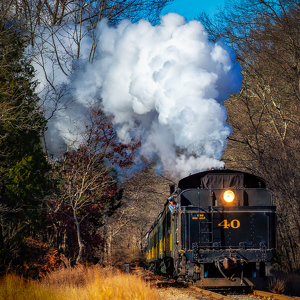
{"x":271,"y":296}
{"x":211,"y":295}
{"x":208,"y":294}
{"x":256,"y":293}
{"x":163,"y":282}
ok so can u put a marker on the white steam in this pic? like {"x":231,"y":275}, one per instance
{"x":162,"y":84}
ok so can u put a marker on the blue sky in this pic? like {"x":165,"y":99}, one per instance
{"x":191,"y":8}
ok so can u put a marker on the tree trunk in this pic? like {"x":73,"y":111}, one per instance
{"x":109,"y":242}
{"x":80,"y":244}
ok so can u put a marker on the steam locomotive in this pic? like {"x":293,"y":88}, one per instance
{"x":217,"y":229}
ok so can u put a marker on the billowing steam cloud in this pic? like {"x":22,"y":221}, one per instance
{"x":162,"y":84}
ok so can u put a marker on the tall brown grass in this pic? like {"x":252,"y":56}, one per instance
{"x":79,"y":283}
{"x":287,"y":283}
{"x":277,"y":285}
{"x":13,"y":287}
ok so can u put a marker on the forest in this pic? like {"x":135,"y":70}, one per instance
{"x":92,"y":200}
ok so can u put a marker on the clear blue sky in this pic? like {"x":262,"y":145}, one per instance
{"x":191,"y":8}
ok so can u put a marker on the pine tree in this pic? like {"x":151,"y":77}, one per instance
{"x":23,"y":164}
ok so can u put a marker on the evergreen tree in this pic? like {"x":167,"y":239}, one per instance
{"x":23,"y":164}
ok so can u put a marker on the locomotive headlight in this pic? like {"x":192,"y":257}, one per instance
{"x":228,"y":196}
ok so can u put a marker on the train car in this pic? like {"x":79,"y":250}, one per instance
{"x":217,"y":229}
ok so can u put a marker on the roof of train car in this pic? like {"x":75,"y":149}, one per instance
{"x":221,"y":179}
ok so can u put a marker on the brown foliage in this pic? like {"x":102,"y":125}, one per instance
{"x":89,"y":188}
{"x":76,"y":276}
{"x":40,"y":259}
{"x":277,"y":285}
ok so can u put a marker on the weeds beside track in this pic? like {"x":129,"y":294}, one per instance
{"x":78,"y":283}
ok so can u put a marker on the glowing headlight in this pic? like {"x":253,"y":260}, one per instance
{"x":228,"y":196}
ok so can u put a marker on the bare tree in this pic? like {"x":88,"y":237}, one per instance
{"x":88,"y":185}
{"x":43,"y":19}
{"x":266,"y":113}
{"x":56,"y":29}
{"x":143,"y":199}
{"x":85,"y":181}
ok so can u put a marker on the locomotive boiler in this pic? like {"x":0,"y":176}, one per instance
{"x":217,"y":229}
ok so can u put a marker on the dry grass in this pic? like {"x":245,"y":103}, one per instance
{"x":79,"y":284}
{"x":287,"y":283}
{"x":13,"y":287}
{"x":77,"y":276}
{"x":277,"y":285}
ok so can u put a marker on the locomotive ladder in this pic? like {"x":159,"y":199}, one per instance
{"x":206,"y":230}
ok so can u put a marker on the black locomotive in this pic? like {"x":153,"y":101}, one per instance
{"x":216,"y":229}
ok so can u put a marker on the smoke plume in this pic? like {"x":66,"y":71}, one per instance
{"x":162,"y":84}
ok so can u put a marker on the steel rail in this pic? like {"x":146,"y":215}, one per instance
{"x":271,"y":296}
{"x":210,"y":294}
{"x":257,"y":293}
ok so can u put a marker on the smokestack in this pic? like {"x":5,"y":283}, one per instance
{"x":172,"y":188}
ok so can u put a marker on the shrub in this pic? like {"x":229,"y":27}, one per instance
{"x":277,"y":285}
